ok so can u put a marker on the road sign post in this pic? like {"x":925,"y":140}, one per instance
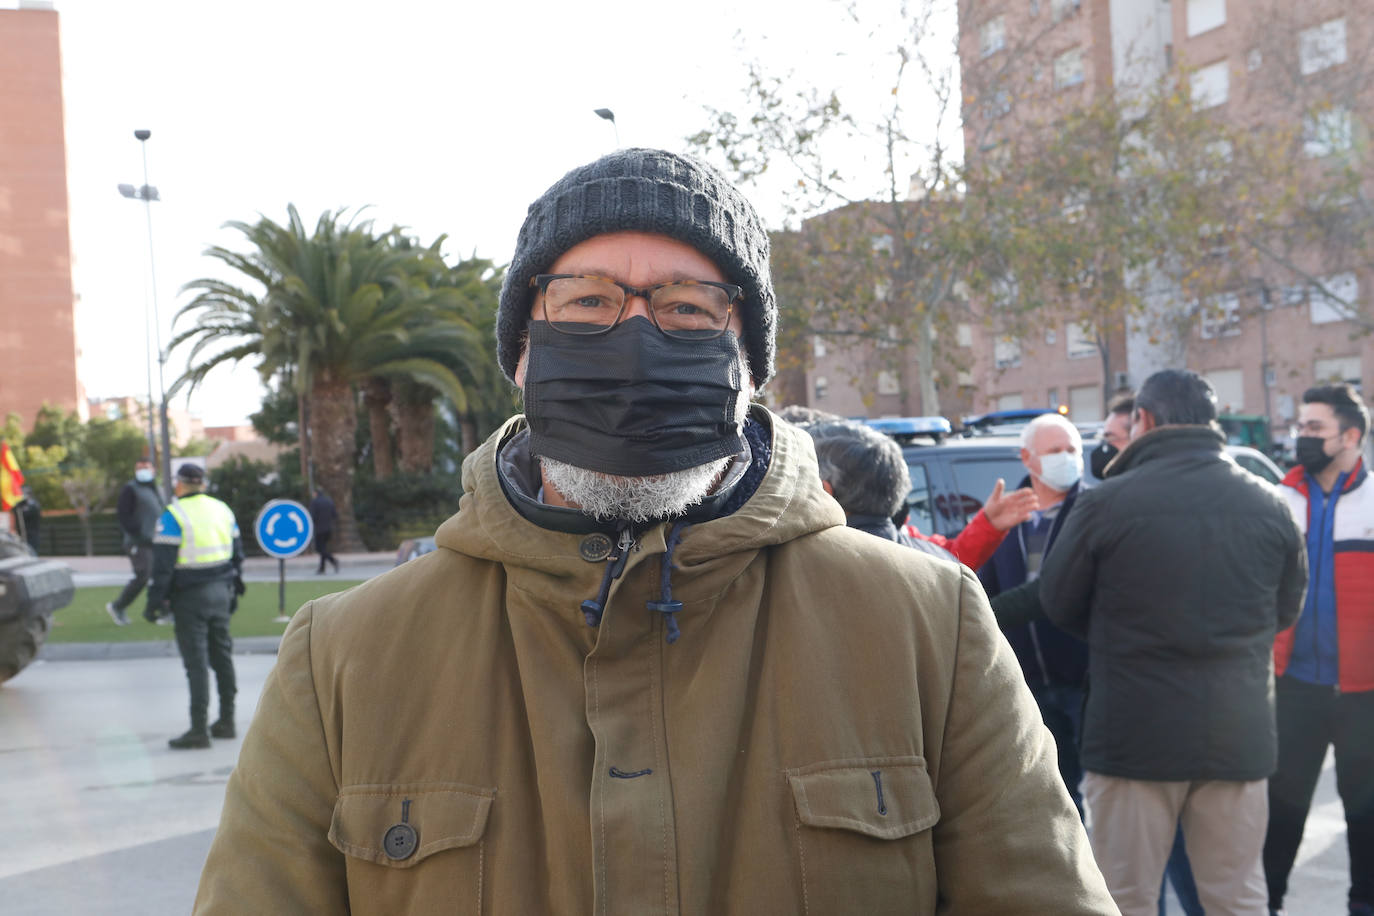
{"x":283,"y":529}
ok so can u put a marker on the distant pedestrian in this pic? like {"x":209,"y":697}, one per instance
{"x":1116,"y":434}
{"x":323,"y":515}
{"x":30,"y":514}
{"x":198,"y":558}
{"x":1178,"y":570}
{"x":139,"y":507}
{"x":1325,"y":663}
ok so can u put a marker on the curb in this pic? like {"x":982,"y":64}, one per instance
{"x":162,"y":648}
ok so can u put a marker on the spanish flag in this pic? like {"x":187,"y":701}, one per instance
{"x":11,"y":479}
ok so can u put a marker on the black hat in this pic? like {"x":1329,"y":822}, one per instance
{"x":646,"y":190}
{"x":191,"y":473}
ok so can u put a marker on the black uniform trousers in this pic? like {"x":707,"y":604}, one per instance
{"x":201,"y":614}
{"x":1311,"y":718}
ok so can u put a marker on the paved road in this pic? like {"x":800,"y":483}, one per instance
{"x":114,"y":570}
{"x":101,"y":817}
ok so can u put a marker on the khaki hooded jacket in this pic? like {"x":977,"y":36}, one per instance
{"x":840,"y":728}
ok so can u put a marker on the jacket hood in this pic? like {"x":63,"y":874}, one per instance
{"x":788,"y":503}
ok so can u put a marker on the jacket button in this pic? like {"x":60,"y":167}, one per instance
{"x":400,"y":842}
{"x":595,"y":547}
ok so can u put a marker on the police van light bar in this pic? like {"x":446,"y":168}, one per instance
{"x":911,"y":426}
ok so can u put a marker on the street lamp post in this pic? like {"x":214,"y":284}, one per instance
{"x":147,"y":193}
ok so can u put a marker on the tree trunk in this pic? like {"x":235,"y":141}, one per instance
{"x":377,"y":396}
{"x":468,"y":433}
{"x":334,"y":421}
{"x":930,"y":398}
{"x":415,"y":431}
{"x":303,"y":440}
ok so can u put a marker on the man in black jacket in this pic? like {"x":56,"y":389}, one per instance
{"x":1178,"y":570}
{"x":140,"y":506}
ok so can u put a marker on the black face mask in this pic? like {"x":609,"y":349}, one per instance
{"x":633,"y":402}
{"x":1311,"y":453}
{"x":1101,"y":457}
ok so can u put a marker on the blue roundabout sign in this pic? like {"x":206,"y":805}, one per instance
{"x":283,"y":529}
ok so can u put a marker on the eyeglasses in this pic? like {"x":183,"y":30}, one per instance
{"x":585,"y":305}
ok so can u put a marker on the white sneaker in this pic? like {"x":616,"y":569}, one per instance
{"x":120,"y":618}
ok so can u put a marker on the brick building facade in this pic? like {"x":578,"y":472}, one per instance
{"x":38,"y":350}
{"x":1268,"y":339}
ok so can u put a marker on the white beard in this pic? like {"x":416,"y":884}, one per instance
{"x":634,"y":499}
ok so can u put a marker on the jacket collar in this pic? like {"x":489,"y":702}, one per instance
{"x":1163,"y":441}
{"x":1297,"y":478}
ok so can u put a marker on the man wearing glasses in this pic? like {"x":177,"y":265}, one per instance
{"x":649,"y":669}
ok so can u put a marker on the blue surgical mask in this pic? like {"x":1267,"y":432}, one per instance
{"x":143,"y":475}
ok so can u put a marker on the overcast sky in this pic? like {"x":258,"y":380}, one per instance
{"x":446,"y":118}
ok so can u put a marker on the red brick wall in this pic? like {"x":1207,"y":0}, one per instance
{"x":37,"y":335}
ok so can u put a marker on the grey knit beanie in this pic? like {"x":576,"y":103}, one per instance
{"x":646,"y":190}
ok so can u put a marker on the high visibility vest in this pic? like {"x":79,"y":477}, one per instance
{"x":208,"y":530}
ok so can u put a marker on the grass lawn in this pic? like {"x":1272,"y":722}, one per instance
{"x":85,"y":620}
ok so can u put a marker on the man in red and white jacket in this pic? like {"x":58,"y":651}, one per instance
{"x":1325,"y":662}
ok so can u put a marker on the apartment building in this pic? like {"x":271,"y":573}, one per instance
{"x":1253,"y":62}
{"x":38,"y":349}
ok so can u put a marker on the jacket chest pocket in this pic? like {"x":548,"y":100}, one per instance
{"x":413,"y":848}
{"x":864,"y":835}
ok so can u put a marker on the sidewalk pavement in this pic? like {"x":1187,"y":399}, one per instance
{"x":114,"y":569}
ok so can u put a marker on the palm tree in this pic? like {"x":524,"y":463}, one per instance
{"x":338,"y":306}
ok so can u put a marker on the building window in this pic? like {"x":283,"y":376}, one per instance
{"x":1205,"y":15}
{"x":1229,"y":386}
{"x":1337,"y":369}
{"x":1010,"y":401}
{"x":822,"y":386}
{"x":1006,"y":353}
{"x":1254,"y":60}
{"x":1081,"y":340}
{"x":1321,"y":46}
{"x":818,"y":346}
{"x":1035,"y":7}
{"x":1210,"y":85}
{"x":1221,"y":317}
{"x":992,"y":36}
{"x":1335,"y":299}
{"x":1052,"y":399}
{"x":1326,"y":133}
{"x":1061,"y":8}
{"x":887,"y":382}
{"x":1068,"y":68}
{"x":963,"y":334}
{"x":1051,"y":335}
{"x":1085,"y":403}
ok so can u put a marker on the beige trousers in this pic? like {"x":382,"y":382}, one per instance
{"x":1131,"y":825}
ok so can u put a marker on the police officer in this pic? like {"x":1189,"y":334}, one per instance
{"x":197,"y":559}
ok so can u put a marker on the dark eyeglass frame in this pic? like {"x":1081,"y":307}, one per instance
{"x":734,"y":292}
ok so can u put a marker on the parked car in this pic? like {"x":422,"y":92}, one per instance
{"x":950,"y":477}
{"x":414,"y":547}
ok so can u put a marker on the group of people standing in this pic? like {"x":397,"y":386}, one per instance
{"x":1149,"y":615}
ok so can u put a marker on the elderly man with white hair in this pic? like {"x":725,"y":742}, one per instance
{"x":1053,"y":662}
